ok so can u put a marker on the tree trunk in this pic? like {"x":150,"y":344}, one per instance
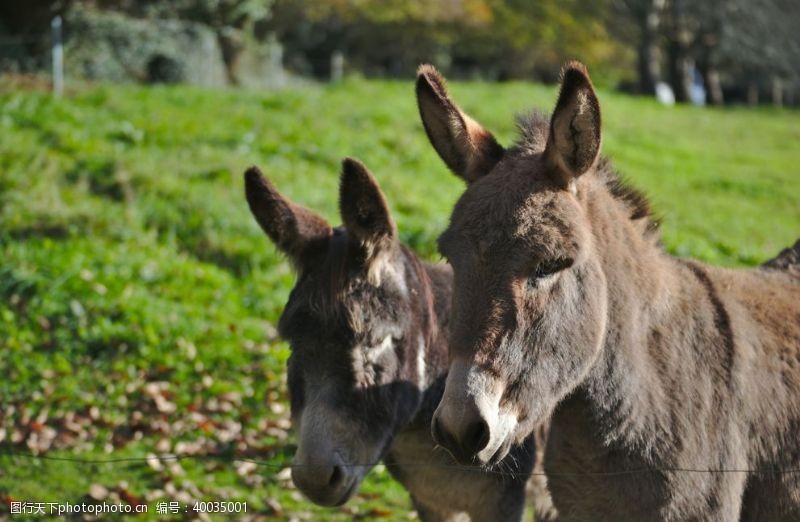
{"x":777,"y":92}
{"x":680,"y":73}
{"x":711,"y":79}
{"x":649,"y":70}
{"x":713,"y":87}
{"x":752,"y":94}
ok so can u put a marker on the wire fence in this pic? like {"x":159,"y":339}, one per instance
{"x":421,"y":464}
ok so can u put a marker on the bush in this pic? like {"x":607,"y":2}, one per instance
{"x":115,"y":47}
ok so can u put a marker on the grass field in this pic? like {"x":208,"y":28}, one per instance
{"x":138,"y":299}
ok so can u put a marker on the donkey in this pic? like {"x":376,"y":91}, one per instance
{"x":367,"y":322}
{"x":665,"y":379}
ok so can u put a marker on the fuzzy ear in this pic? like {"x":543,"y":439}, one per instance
{"x":574,"y":141}
{"x":364,"y":210}
{"x":291,"y":227}
{"x":468,"y":149}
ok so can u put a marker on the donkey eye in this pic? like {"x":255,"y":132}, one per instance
{"x":548,"y":268}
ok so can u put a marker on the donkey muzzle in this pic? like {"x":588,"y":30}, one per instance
{"x":464,"y":433}
{"x":325,"y":480}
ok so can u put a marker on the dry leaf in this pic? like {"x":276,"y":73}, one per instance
{"x":274,"y":506}
{"x":378,"y":513}
{"x":154,"y":462}
{"x":98,"y":492}
{"x":245,"y":468}
{"x":284,"y":475}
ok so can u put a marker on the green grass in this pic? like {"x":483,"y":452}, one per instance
{"x":138,"y":299}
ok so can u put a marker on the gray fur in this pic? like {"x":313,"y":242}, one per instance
{"x":566,"y":308}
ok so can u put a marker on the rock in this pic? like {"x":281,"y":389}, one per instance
{"x":109,"y":46}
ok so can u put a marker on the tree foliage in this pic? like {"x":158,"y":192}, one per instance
{"x":494,"y":38}
{"x":733,"y":43}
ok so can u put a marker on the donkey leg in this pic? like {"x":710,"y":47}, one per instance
{"x":536,"y":490}
{"x":539,"y":496}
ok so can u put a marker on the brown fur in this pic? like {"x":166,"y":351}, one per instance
{"x":566,"y":307}
{"x":470,"y":150}
{"x":368,"y":324}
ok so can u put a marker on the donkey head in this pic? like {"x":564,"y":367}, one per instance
{"x":529,"y":300}
{"x":357,"y":320}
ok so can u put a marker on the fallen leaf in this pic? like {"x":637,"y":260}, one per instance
{"x":274,"y":506}
{"x":98,"y":492}
{"x":284,"y":475}
{"x":154,"y":462}
{"x":245,"y":468}
{"x":378,"y":513}
{"x":129,"y":497}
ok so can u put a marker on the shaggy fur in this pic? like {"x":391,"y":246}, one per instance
{"x":665,"y":379}
{"x":368,"y":324}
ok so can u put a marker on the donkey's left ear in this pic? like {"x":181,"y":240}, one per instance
{"x":574,"y":142}
{"x":468,"y":149}
{"x":294,"y":229}
{"x":364,"y":210}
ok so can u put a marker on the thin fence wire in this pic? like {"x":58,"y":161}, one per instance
{"x":458,"y":467}
{"x":22,"y":41}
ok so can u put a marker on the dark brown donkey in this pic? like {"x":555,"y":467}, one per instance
{"x":565,"y":306}
{"x":367,"y":322}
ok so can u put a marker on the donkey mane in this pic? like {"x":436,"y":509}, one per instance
{"x":534,"y":130}
{"x":634,"y":199}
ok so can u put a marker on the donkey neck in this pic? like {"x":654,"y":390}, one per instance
{"x":433,"y":290}
{"x":436,"y":358}
{"x":653,"y":300}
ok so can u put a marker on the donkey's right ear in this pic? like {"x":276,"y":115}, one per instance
{"x":468,"y":149}
{"x":291,"y":227}
{"x":573,"y":145}
{"x":364,"y":209}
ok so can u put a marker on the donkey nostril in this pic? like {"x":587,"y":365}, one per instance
{"x":476,"y":437}
{"x":336,"y":476}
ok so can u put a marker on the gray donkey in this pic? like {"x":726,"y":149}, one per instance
{"x":666,"y":379}
{"x":367,"y":322}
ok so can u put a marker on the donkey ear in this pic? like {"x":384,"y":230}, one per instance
{"x":574,"y":141}
{"x":468,"y":149}
{"x":364,"y":210}
{"x":291,"y":227}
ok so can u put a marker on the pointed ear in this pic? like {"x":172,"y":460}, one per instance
{"x":574,"y":142}
{"x":468,"y":149}
{"x":364,"y":210}
{"x":291,"y":227}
